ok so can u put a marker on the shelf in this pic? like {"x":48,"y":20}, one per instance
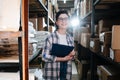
{"x":37,"y":9}
{"x":86,"y":18}
{"x":10,"y":34}
{"x":14,"y":76}
{"x":96,"y":2}
{"x":83,"y":53}
{"x":51,"y":22}
{"x":105,"y":60}
{"x":108,"y":1}
{"x":103,"y":9}
{"x":9,"y":63}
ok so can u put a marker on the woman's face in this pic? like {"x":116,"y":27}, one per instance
{"x":62,"y":21}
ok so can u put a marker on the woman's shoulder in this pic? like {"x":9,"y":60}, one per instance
{"x":52,"y":35}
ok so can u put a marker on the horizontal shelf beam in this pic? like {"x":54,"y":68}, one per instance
{"x":10,"y":34}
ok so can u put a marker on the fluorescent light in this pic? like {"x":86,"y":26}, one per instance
{"x":64,"y":1}
{"x":75,"y":21}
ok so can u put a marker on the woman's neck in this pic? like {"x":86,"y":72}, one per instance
{"x":61,"y":31}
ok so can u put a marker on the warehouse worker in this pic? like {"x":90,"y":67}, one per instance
{"x":53,"y":70}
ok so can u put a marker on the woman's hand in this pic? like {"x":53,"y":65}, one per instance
{"x":70,"y":56}
{"x":72,"y":53}
{"x":66,"y":58}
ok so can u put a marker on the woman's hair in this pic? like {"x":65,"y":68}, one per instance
{"x":61,"y":12}
{"x":58,"y":14}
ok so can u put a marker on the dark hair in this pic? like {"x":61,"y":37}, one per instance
{"x":58,"y":14}
{"x":61,"y":12}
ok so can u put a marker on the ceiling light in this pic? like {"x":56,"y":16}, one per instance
{"x":64,"y":1}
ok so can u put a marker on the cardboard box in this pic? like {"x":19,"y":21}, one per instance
{"x":106,"y":25}
{"x":85,"y":39}
{"x":41,"y":23}
{"x":117,"y":55}
{"x":116,"y":37}
{"x":80,"y":31}
{"x":105,"y":51}
{"x":95,"y":45}
{"x":106,"y":37}
{"x":96,"y":29}
{"x":75,"y":34}
{"x":34,"y":21}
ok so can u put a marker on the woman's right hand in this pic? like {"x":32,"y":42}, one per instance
{"x":67,"y":58}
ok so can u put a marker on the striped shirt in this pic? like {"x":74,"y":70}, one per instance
{"x":51,"y":70}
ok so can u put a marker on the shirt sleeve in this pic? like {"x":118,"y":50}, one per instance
{"x":46,"y":51}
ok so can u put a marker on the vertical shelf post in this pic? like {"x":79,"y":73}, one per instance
{"x":24,"y":20}
{"x":93,"y":65}
{"x":48,"y":15}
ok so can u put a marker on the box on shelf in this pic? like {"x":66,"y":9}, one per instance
{"x":85,"y":40}
{"x":85,"y":6}
{"x":117,"y":56}
{"x":116,"y":37}
{"x":34,"y":21}
{"x":96,"y":29}
{"x":8,"y":46}
{"x":80,"y":31}
{"x":75,"y":34}
{"x":41,"y":23}
{"x":95,"y":45}
{"x":106,"y":37}
{"x":105,"y":50}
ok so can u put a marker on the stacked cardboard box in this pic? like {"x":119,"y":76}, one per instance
{"x":116,"y":42}
{"x":85,"y":7}
{"x":8,"y":46}
{"x":41,"y":23}
{"x":34,"y":21}
{"x":105,"y":38}
{"x":85,"y":40}
{"x":106,"y":25}
{"x":95,"y":45}
{"x":80,"y":31}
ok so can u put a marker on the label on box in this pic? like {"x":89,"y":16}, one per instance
{"x":111,"y":54}
{"x":92,"y":44}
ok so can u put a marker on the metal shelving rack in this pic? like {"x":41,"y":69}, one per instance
{"x":38,"y":9}
{"x":97,"y":14}
{"x":92,"y":17}
{"x":22,"y":34}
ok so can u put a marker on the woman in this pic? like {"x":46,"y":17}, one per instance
{"x":53,"y":70}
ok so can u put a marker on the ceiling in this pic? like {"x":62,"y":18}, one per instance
{"x":67,"y":6}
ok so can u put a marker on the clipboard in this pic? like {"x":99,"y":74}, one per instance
{"x":61,"y":50}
